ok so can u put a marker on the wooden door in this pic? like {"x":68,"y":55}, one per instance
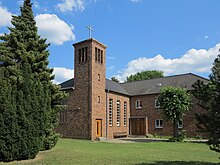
{"x":138,"y":127}
{"x":98,"y":128}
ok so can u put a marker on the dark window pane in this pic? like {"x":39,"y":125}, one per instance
{"x":86,"y":53}
{"x":99,"y":55}
{"x":96,"y":54}
{"x":79,"y":55}
{"x":83,"y":54}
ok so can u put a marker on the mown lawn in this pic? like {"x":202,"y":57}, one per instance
{"x":70,"y":152}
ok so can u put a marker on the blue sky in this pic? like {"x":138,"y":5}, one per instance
{"x":175,"y":36}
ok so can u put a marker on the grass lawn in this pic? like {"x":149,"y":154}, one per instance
{"x":70,"y":151}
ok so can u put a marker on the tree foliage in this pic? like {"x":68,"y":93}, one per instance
{"x":115,"y":79}
{"x":174,"y":102}
{"x":208,"y":95}
{"x":29,"y":102}
{"x":145,"y":75}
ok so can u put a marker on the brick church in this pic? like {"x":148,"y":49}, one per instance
{"x":98,"y":107}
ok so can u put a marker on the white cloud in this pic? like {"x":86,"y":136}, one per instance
{"x":20,"y":2}
{"x":36,"y":5}
{"x":136,"y":1}
{"x":195,"y":61}
{"x":111,"y":68}
{"x":6,"y":17}
{"x":62,"y":74}
{"x":110,"y":57}
{"x":70,"y":5}
{"x":206,"y":37}
{"x":54,"y":29}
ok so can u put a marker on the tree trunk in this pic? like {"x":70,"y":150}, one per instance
{"x":175,"y":128}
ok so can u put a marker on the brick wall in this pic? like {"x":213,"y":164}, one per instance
{"x":148,"y":109}
{"x":98,"y":97}
{"x":121,"y":128}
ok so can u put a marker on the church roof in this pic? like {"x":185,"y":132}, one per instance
{"x":153,"y":86}
{"x":144,"y":87}
{"x":69,"y":84}
{"x":115,"y":87}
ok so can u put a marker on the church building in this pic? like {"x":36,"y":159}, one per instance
{"x":98,"y":107}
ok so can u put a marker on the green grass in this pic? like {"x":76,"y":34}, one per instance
{"x":70,"y":151}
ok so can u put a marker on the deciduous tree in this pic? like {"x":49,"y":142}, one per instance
{"x":145,"y":75}
{"x":174,"y":102}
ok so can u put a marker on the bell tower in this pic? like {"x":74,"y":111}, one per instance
{"x":90,"y":84}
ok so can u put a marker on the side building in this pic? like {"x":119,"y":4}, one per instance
{"x":98,"y":107}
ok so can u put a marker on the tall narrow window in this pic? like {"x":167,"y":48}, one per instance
{"x":101,"y":56}
{"x":99,"y":99}
{"x":125,"y":113}
{"x":79,"y":56}
{"x":63,"y":117}
{"x":98,"y":77}
{"x":96,"y":54}
{"x":157,"y":104}
{"x":83,"y":54}
{"x":118,"y":113}
{"x":86,"y":53}
{"x":110,"y":112}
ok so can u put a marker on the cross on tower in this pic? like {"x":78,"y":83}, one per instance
{"x":90,"y":30}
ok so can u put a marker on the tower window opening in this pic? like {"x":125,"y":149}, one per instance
{"x":83,"y":54}
{"x":96,"y":54}
{"x":99,"y":55}
{"x":86,"y":53}
{"x":79,"y":56}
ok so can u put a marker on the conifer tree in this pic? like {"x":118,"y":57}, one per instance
{"x":208,"y":96}
{"x":27,"y":93}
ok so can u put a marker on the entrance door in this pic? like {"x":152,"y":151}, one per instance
{"x":138,"y":127}
{"x":98,"y":128}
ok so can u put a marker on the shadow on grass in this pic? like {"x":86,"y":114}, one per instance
{"x":144,"y":140}
{"x":178,"y":163}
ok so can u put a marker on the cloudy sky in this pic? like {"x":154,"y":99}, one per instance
{"x":169,"y":35}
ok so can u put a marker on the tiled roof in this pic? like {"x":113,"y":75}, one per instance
{"x":153,"y":86}
{"x":67,"y":84}
{"x":115,"y":87}
{"x":144,"y":87}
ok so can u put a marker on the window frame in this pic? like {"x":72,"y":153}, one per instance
{"x":118,"y":113}
{"x":180,"y":126}
{"x":159,"y":125}
{"x":156,"y":104}
{"x":125,"y":113}
{"x":138,"y":104}
{"x":110,"y":112}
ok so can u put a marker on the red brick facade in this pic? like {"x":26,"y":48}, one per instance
{"x":92,"y":111}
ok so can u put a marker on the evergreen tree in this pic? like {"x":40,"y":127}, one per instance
{"x":27,"y":93}
{"x":208,"y":96}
